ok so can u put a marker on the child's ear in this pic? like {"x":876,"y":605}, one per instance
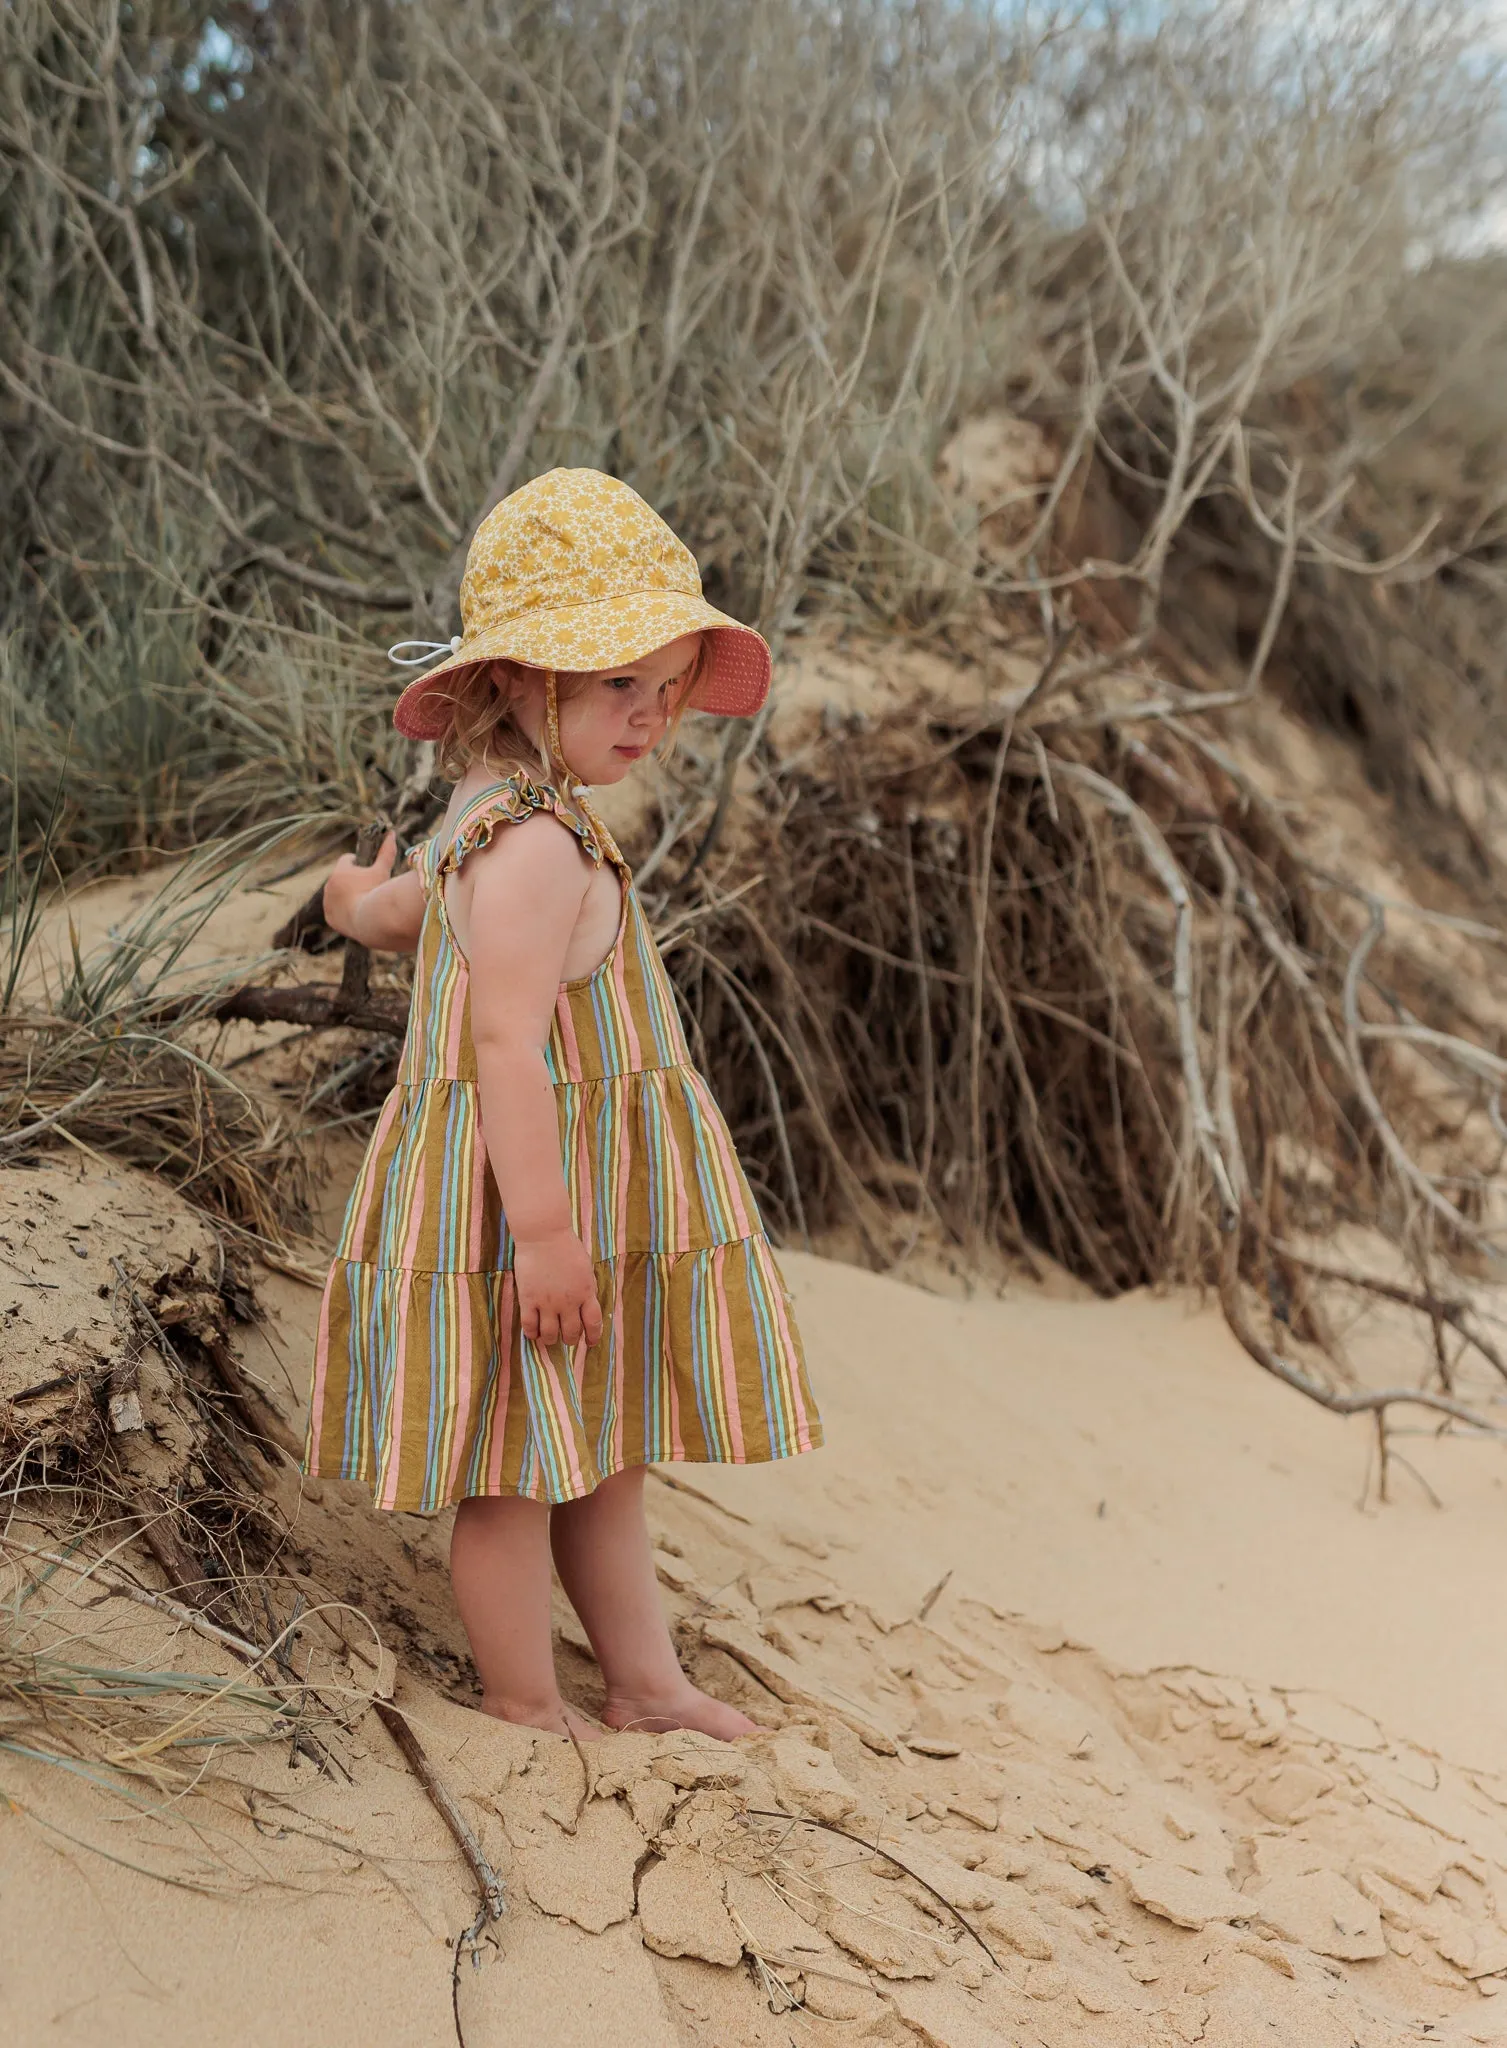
{"x":696,"y":667}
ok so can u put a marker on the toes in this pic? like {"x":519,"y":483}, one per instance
{"x":698,"y":1713}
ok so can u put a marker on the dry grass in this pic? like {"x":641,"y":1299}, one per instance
{"x":164,"y":1714}
{"x":87,"y":1058}
{"x":59,"y":1702}
{"x":288,"y":305}
{"x":154,"y":1632}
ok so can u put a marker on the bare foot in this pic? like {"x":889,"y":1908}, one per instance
{"x":687,"y":1707}
{"x":552,"y":1717}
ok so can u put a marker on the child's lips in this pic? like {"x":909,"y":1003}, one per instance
{"x":631,"y":752}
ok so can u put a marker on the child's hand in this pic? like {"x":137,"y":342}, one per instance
{"x":557,"y":1295}
{"x":348,"y":884}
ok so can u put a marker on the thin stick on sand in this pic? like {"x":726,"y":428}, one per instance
{"x":877,"y":1849}
{"x":488,"y":1883}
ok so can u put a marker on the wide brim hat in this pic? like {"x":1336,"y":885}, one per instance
{"x":574,"y":572}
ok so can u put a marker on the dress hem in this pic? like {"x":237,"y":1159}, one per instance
{"x":365,"y":1476}
{"x":599,"y":1262}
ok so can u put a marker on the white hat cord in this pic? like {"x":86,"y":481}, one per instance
{"x":429,"y":650}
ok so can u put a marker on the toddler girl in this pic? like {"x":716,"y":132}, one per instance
{"x":552,"y":1271}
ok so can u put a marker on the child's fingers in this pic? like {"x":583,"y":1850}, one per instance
{"x":380,"y":869}
{"x":551,"y":1316}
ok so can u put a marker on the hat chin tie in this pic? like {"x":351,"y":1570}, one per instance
{"x":429,"y":650}
{"x":557,"y":756}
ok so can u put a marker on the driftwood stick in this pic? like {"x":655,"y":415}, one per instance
{"x":488,"y":1883}
{"x":306,"y":928}
{"x":348,"y":1003}
{"x":317,"y":1007}
{"x":351,"y":995}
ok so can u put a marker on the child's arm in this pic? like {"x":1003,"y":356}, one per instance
{"x":365,"y":905}
{"x":528,"y":887}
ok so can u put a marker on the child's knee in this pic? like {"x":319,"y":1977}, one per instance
{"x":493,"y":1513}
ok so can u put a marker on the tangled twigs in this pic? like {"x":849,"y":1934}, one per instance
{"x":1408,"y":1171}
{"x":1146,"y":1053}
{"x":1170,"y":875}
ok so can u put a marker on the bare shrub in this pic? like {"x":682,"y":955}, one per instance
{"x":292,"y":299}
{"x":1030,"y":980}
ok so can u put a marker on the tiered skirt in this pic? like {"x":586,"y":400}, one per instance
{"x":424,"y":1384}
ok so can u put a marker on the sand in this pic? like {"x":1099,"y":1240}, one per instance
{"x":1164,"y":1760}
{"x":1123,"y":1468}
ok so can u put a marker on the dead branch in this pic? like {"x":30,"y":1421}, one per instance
{"x":489,"y":1887}
{"x":1372,"y":1401}
{"x":1438,"y":1307}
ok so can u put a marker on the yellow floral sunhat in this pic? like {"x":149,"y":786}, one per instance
{"x":574,"y":571}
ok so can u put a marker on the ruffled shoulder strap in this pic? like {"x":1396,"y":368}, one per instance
{"x":509,"y":802}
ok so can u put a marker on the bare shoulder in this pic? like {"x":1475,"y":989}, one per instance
{"x":537,"y":851}
{"x":524,"y":891}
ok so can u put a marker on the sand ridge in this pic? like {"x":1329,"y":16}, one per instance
{"x":962,"y":1828}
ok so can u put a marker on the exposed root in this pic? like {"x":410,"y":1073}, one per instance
{"x":1071,"y":986}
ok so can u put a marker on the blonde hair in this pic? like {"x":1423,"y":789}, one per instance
{"x":484,"y":725}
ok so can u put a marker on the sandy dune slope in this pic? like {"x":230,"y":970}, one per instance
{"x":1206,"y":1828}
{"x":1122,"y":1468}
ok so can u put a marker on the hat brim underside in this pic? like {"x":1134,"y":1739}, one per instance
{"x":735,"y":685}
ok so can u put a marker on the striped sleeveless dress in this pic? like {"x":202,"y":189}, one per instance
{"x":424,"y":1385}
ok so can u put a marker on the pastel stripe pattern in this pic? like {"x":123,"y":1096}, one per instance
{"x":424,"y":1386}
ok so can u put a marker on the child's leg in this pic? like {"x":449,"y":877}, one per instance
{"x":602,"y":1554}
{"x":500,"y":1568}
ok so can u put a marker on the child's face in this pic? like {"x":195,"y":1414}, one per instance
{"x":616,"y":714}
